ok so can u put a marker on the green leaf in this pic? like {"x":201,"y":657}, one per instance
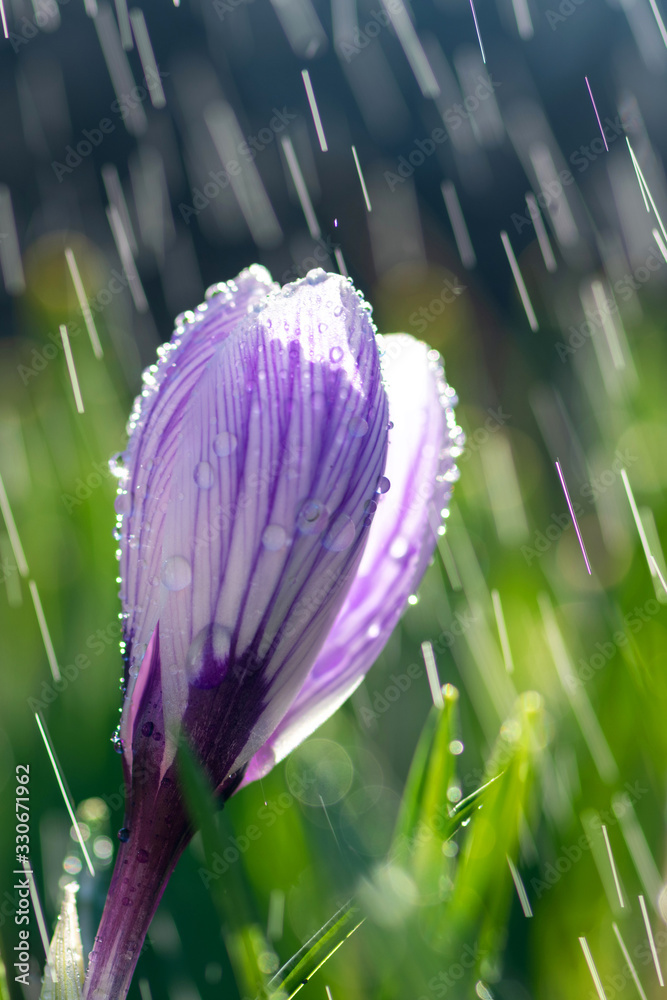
{"x":244,"y":938}
{"x":321,"y":946}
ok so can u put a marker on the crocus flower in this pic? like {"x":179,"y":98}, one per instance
{"x":279,"y":500}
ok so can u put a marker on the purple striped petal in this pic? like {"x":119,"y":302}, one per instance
{"x":144,"y":469}
{"x":424,"y":442}
{"x":252,"y":472}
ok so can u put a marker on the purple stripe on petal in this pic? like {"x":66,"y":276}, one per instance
{"x":423,"y":445}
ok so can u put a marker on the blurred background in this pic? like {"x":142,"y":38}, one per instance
{"x":481,"y":201}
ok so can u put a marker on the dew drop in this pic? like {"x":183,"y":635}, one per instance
{"x":357,"y":427}
{"x":383,"y":485}
{"x":176,"y":573}
{"x":124,"y":835}
{"x":323,"y":327}
{"x":340,"y":534}
{"x":203,"y":475}
{"x":274,"y":537}
{"x":338,"y":311}
{"x":312,"y":517}
{"x":370,"y":507}
{"x":224,"y":444}
{"x":122,"y":503}
{"x":207,"y":658}
{"x":373,"y":631}
{"x":399,"y":548}
{"x":336,"y":355}
{"x":147,"y":728}
{"x":142,"y":856}
{"x":413,"y":599}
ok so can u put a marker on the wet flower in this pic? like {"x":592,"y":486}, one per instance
{"x":272,"y":524}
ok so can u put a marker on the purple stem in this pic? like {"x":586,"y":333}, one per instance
{"x":159,"y":830}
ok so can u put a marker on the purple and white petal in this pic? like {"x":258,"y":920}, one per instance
{"x":144,"y":470}
{"x":268,"y":462}
{"x":424,"y":443}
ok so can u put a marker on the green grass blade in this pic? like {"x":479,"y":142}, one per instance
{"x":321,"y":946}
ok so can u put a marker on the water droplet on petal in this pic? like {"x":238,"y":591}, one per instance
{"x":224,"y":444}
{"x":203,"y":475}
{"x":383,"y":485}
{"x":340,"y":534}
{"x":207,"y":658}
{"x":338,"y":311}
{"x":373,"y":631}
{"x":274,"y":537}
{"x":323,"y":327}
{"x":147,"y":728}
{"x":124,"y":835}
{"x":336,"y":355}
{"x":399,"y":548}
{"x":142,"y":856}
{"x":413,"y":599}
{"x":176,"y":573}
{"x":312,"y":517}
{"x":357,"y":427}
{"x":122,"y":503}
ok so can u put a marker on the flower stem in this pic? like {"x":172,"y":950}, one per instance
{"x":159,"y":830}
